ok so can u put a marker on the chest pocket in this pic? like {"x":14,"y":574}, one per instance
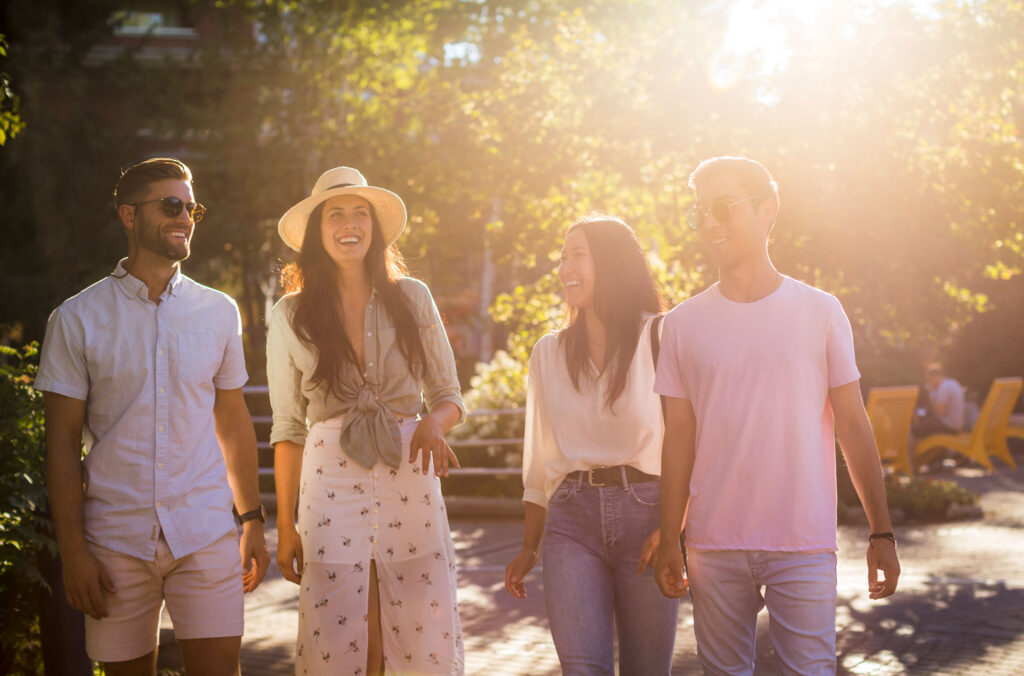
{"x":199,"y":357}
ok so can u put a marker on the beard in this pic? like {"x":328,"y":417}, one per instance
{"x":150,"y":238}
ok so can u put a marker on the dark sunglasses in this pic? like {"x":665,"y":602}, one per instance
{"x":722,"y":211}
{"x":172,"y":206}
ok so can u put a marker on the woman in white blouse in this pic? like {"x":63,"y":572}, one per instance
{"x":592,"y":460}
{"x":355,"y":351}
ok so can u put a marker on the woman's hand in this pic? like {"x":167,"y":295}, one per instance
{"x":517,"y":570}
{"x":428,"y":439}
{"x":289,"y":553}
{"x":649,"y":552}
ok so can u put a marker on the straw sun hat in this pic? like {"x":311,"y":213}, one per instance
{"x":388,"y":206}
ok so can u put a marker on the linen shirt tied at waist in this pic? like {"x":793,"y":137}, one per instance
{"x":370,"y":402}
{"x":148,"y":373}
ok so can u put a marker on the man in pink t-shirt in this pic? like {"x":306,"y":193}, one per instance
{"x":759,"y":375}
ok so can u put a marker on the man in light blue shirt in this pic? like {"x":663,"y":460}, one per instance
{"x":146,"y":366}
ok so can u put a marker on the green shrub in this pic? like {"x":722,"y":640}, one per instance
{"x":24,"y":533}
{"x":498,"y":384}
{"x":919,"y":498}
{"x":925,"y":499}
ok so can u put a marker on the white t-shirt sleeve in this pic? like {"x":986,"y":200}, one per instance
{"x":670,"y":380}
{"x":842,"y":363}
{"x":538,"y":439}
{"x":62,"y":365}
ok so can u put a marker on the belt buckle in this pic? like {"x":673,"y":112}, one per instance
{"x":590,"y":477}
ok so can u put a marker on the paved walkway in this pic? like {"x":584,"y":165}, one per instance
{"x":959,"y":610}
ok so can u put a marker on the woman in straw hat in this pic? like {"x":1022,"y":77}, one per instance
{"x":592,"y":460}
{"x":355,"y":350}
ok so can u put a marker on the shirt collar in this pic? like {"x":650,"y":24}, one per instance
{"x":133,"y":287}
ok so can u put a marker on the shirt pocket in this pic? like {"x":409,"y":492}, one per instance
{"x":199,"y":357}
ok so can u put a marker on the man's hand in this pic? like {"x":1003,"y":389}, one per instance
{"x":882,"y":556}
{"x":289,"y":553}
{"x":84,"y":582}
{"x":255,"y":556}
{"x":669,"y":571}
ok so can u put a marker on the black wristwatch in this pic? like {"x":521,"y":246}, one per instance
{"x":258,"y":513}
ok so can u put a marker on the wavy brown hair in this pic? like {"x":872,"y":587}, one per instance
{"x":624,"y":290}
{"x":318,"y":319}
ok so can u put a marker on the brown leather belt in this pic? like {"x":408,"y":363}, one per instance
{"x":612,"y":476}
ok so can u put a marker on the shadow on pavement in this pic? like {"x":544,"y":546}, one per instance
{"x":950,"y":627}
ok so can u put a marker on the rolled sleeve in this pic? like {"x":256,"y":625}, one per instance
{"x":538,"y":439}
{"x":232,"y":373}
{"x":62,"y":365}
{"x":284,"y":380}
{"x":440,"y":377}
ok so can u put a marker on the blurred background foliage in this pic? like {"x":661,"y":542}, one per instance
{"x":892,"y":127}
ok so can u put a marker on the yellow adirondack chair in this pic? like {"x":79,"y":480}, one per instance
{"x":988,"y":438}
{"x":1015,"y":427}
{"x":890,"y":410}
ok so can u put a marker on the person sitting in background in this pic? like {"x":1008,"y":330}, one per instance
{"x":945,"y":411}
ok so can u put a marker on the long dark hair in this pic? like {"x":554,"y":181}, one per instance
{"x":318,"y":320}
{"x":624,"y":290}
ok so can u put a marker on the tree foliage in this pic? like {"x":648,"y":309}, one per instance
{"x":24,"y":532}
{"x":894,"y":134}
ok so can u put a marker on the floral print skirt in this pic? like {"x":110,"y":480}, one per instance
{"x":350,"y":516}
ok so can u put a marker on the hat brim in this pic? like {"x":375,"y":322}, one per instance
{"x":388,"y":206}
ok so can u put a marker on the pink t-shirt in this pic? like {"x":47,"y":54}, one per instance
{"x":758,"y":376}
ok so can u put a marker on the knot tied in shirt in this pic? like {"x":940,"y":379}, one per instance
{"x":371,"y":431}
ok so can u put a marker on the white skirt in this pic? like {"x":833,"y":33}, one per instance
{"x":349,"y":516}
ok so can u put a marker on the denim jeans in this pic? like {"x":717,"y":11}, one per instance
{"x":591,"y":547}
{"x":799,"y":589}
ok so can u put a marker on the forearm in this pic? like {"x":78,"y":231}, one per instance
{"x":238,"y":444}
{"x":533,"y":526}
{"x":287,"y":471}
{"x":676,"y":468}
{"x":861,"y":454}
{"x":446,"y":414}
{"x":66,"y":494}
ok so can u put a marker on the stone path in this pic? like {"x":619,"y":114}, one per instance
{"x":959,"y":610}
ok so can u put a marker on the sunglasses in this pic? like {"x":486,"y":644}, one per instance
{"x":722,"y":211}
{"x":172,"y":207}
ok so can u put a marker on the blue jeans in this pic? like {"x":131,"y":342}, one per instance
{"x":730,"y":587}
{"x":591,"y":547}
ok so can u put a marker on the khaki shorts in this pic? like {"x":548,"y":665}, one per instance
{"x":203,"y":592}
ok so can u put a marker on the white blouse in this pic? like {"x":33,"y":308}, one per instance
{"x":569,"y":430}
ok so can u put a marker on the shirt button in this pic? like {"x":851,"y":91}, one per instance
{"x":370,"y":364}
{"x":161,"y":428}
{"x":375,"y":526}
{"x":161,"y":390}
{"x":374,"y":510}
{"x":159,"y":504}
{"x":160,"y":352}
{"x":160,"y":466}
{"x":368,"y":333}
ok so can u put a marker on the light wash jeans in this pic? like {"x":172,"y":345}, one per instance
{"x":591,"y":547}
{"x":800,"y":592}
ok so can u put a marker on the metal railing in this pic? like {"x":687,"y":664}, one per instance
{"x":264,"y":445}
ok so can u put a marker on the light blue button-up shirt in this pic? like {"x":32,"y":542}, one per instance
{"x":148,"y":373}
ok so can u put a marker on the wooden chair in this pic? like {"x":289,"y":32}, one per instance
{"x":988,"y":438}
{"x":890,"y":410}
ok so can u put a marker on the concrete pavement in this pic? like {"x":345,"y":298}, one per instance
{"x":959,"y":609}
